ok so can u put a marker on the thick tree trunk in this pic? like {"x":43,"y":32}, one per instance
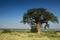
{"x":38,"y":25}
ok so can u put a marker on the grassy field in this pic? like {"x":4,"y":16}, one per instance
{"x":45,"y":35}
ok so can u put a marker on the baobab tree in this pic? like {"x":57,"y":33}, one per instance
{"x":39,"y":16}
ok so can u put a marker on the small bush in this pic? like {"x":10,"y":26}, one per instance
{"x":6,"y":31}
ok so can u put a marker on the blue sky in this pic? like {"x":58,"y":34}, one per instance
{"x":11,"y":11}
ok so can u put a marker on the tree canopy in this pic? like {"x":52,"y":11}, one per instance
{"x":39,"y":15}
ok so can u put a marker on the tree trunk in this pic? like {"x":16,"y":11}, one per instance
{"x":38,"y":25}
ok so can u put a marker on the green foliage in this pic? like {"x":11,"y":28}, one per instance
{"x":33,"y":30}
{"x":37,"y":15}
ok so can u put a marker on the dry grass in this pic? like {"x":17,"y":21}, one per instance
{"x":27,"y":36}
